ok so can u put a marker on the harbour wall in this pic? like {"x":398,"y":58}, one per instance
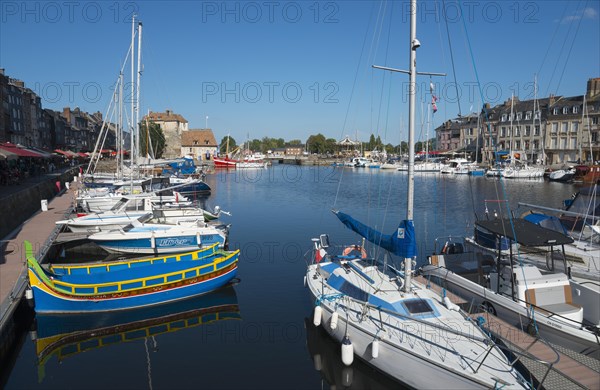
{"x":18,"y":207}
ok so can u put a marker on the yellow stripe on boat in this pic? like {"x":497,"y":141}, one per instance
{"x":196,"y":255}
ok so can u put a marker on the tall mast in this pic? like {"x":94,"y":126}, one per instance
{"x":137,"y":98}
{"x":131,"y":146}
{"x":512,"y":99}
{"x":412,"y":84}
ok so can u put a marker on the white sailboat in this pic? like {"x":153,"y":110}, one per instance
{"x":389,"y":320}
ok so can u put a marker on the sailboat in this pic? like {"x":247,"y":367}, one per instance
{"x":390,"y":320}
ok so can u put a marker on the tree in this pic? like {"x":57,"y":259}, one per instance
{"x":316,"y":143}
{"x":157,"y":144}
{"x":294,"y":142}
{"x":371,"y":144}
{"x":223,"y":146}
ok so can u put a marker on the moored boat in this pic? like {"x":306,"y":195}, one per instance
{"x":109,"y":289}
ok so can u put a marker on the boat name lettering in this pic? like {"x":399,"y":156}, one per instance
{"x":173,"y":241}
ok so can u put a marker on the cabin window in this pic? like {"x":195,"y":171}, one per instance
{"x":417,"y":306}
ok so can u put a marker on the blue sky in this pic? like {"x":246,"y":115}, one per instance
{"x":293,"y":68}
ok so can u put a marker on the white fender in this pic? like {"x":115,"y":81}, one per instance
{"x":318,"y":362}
{"x":317,"y":316}
{"x":375,"y":349}
{"x":334,"y":321}
{"x":347,"y":351}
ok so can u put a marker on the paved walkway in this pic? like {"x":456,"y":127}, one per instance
{"x":40,"y":231}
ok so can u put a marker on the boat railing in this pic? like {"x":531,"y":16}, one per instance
{"x":117,"y":265}
{"x":144,"y":282}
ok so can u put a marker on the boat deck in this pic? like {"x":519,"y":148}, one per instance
{"x":572,"y":370}
{"x":40,"y":230}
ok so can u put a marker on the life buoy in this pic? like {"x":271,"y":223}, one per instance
{"x":348,"y":250}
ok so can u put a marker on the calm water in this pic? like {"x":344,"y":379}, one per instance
{"x":254,"y":335}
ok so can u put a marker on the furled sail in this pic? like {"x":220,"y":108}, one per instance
{"x":402,"y":242}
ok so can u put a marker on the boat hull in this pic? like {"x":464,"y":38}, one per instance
{"x":49,"y":300}
{"x":413,"y":370}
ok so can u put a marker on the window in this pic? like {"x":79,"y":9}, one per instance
{"x":565,"y":127}
{"x":575,"y":109}
{"x":595,"y":120}
{"x":555,"y":111}
{"x":195,"y":142}
{"x":503,"y":118}
{"x":527,"y":131}
{"x":528,"y":115}
{"x":517,"y":131}
{"x":554,"y":128}
{"x":191,"y":150}
{"x":536,"y":131}
{"x":538,"y":114}
{"x":503,"y":132}
{"x":554,"y":143}
{"x":575,"y":127}
{"x":519,"y":116}
{"x":563,"y":143}
{"x":517,"y":144}
{"x":573,"y":142}
{"x":536,"y":144}
{"x":565,"y":110}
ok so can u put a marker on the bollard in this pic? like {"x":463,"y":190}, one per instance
{"x":74,"y":179}
{"x":44,"y":205}
{"x":67,"y":185}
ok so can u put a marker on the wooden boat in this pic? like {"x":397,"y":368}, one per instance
{"x":129,"y":284}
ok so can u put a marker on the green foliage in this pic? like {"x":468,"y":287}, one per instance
{"x":157,"y":140}
{"x":223,"y":145}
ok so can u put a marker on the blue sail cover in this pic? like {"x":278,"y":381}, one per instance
{"x":402,"y":242}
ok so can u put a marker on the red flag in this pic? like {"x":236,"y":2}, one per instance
{"x":320,"y":254}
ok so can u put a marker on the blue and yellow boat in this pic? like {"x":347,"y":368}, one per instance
{"x":128,"y":284}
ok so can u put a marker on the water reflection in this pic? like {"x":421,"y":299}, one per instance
{"x":65,"y":336}
{"x":326,"y":356}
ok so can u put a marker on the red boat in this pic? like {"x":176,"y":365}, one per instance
{"x":224,"y":162}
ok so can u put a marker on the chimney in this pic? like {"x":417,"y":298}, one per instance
{"x":593,"y":88}
{"x":169,"y":112}
{"x":67,"y":114}
{"x":551,"y":100}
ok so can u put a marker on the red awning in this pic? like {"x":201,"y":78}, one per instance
{"x":21,"y":152}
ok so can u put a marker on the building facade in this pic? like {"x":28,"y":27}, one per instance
{"x":198,"y":143}
{"x":173,"y":126}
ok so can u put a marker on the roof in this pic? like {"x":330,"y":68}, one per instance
{"x":203,"y":137}
{"x":168,"y":116}
{"x":527,"y":233}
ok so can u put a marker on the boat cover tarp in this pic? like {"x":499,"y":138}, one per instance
{"x":402,"y":242}
{"x":524,"y":232}
{"x":547,"y":221}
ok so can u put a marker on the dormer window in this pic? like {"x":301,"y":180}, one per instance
{"x":528,"y":115}
{"x":195,"y":142}
{"x":555,"y":111}
{"x":503,"y":117}
{"x":565,"y":110}
{"x":538,"y":114}
{"x":575,"y":109}
{"x":519,"y":116}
